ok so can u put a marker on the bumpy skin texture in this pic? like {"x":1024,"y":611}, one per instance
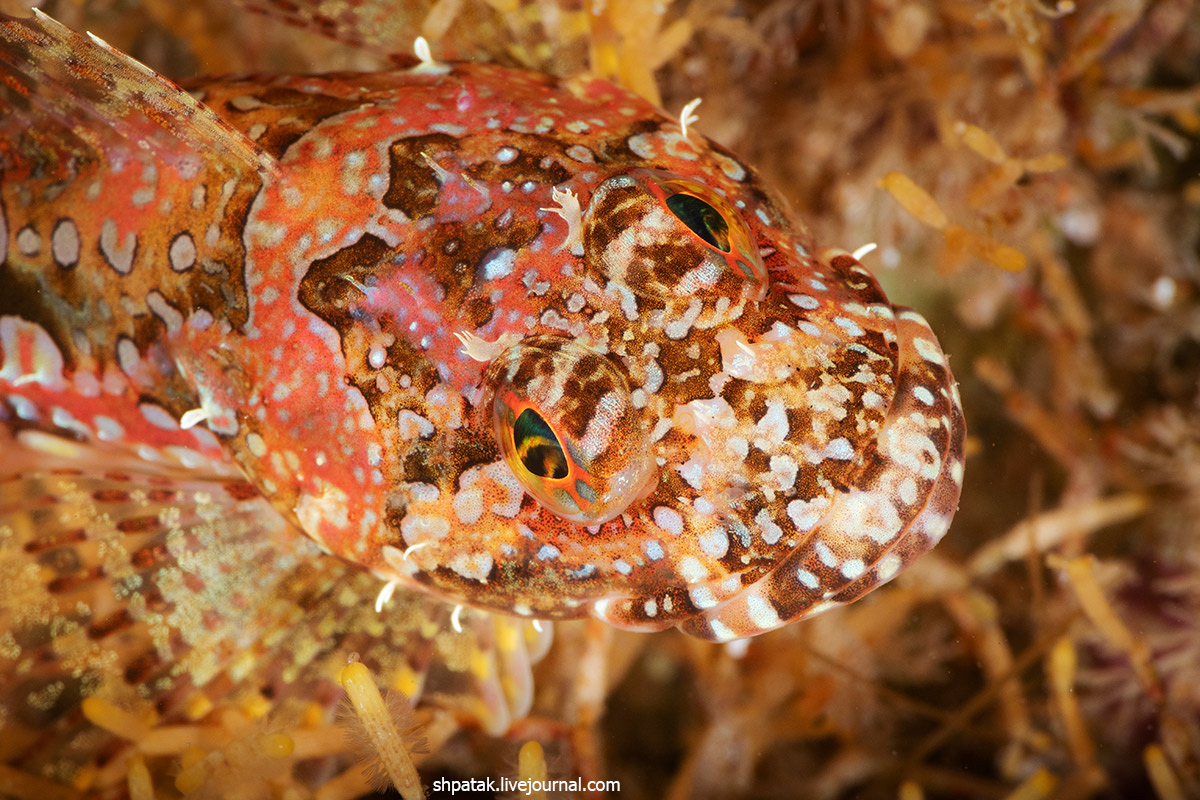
{"x":295,"y":257}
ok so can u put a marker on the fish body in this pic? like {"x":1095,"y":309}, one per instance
{"x":519,"y":343}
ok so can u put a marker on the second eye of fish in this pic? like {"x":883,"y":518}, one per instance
{"x":702,"y":219}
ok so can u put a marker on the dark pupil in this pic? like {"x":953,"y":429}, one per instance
{"x":538,"y":447}
{"x":704,"y":220}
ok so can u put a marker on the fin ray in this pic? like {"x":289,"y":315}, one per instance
{"x":146,"y":588}
{"x":72,"y":96}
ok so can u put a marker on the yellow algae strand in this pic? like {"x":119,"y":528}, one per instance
{"x":1038,"y":786}
{"x":1162,"y":776}
{"x":915,"y":200}
{"x":531,"y":766}
{"x":381,"y":729}
{"x":1061,"y":669}
{"x":104,"y":714}
{"x":140,"y":785}
{"x":23,"y":786}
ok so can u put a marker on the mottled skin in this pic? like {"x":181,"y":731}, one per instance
{"x":804,"y":437}
{"x":341,"y":295}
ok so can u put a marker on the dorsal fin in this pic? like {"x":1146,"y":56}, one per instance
{"x":71,"y":97}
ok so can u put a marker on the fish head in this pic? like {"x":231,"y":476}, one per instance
{"x":581,"y":362}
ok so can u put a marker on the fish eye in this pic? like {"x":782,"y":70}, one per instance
{"x":703,"y":220}
{"x":566,"y":426}
{"x":537,"y":446}
{"x":663,"y":234}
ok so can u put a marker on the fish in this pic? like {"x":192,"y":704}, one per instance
{"x":411,"y":364}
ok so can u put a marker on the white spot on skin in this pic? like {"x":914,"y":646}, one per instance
{"x":935,"y":527}
{"x":762,"y":614}
{"x":702,"y":597}
{"x":783,"y":472}
{"x":839,"y":449}
{"x":256,"y":444}
{"x":410,"y":425}
{"x":853,"y":568}
{"x":809,"y":328}
{"x":721,"y":631}
{"x":468,"y":502}
{"x":107,"y":428}
{"x":768,"y":530}
{"x":64,"y":243}
{"x":601,"y":426}
{"x":907,"y":491}
{"x":714,"y":542}
{"x":888,"y":567}
{"x":668,"y":519}
{"x":65,"y":420}
{"x":928,"y":351}
{"x":654,"y":550}
{"x":679,"y":327}
{"x":731,"y":168}
{"x":422,"y":528}
{"x":473,"y":566}
{"x":956,"y":472}
{"x":848,"y":325}
{"x":805,"y":514}
{"x":500,"y":474}
{"x":869,"y":515}
{"x":182,"y":253}
{"x":165,"y":311}
{"x":499,"y":264}
{"x":906,"y":443}
{"x":29,"y":243}
{"x":327,"y":507}
{"x":772,"y":428}
{"x":691,"y":570}
{"x":158,"y":416}
{"x":118,"y":254}
{"x":807,"y":302}
{"x":923,"y":395}
{"x":806,"y":578}
{"x":580,"y":153}
{"x":127,"y":356}
{"x":825,"y":554}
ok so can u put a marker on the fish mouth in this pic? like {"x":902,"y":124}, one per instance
{"x":827,"y":457}
{"x":897,"y":506}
